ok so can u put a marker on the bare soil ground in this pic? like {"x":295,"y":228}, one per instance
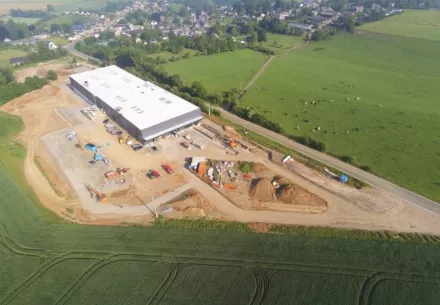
{"x":190,"y":204}
{"x":50,"y":113}
{"x":255,"y":191}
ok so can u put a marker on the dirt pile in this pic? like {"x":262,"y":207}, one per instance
{"x":258,"y":168}
{"x":262,"y":189}
{"x":281,"y":180}
{"x":296,"y":195}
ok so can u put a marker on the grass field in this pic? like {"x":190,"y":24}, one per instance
{"x":48,"y":263}
{"x":281,"y":44}
{"x":391,"y":128}
{"x":19,"y":19}
{"x":60,"y":5}
{"x":7,"y":54}
{"x":411,"y":23}
{"x":219,"y":72}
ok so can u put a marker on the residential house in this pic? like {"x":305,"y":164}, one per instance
{"x":358,"y":9}
{"x":51,"y":45}
{"x":315,"y":20}
{"x":302,"y":26}
{"x":18,"y":61}
{"x":78,"y":28}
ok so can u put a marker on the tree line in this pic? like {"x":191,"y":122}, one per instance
{"x":10,"y":89}
{"x":28,"y":13}
{"x":13,"y":30}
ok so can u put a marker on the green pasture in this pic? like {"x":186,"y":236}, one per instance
{"x":411,"y":23}
{"x":281,"y":44}
{"x":44,"y":261}
{"x":168,"y":55}
{"x":219,"y":72}
{"x":392,"y":127}
{"x":7,"y":54}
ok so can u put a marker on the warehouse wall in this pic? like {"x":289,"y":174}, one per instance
{"x":161,"y":127}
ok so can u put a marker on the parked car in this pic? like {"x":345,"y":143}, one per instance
{"x":154,"y":148}
{"x":167,"y":168}
{"x":105,"y":121}
{"x":137,"y":147}
{"x":119,"y":132}
{"x":153,"y":174}
{"x":71,"y":135}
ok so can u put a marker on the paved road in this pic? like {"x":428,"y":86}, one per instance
{"x":373,"y":180}
{"x":71,"y":49}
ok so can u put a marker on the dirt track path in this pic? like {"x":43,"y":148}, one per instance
{"x":266,"y":64}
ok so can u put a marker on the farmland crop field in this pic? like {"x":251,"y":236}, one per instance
{"x":219,"y":72}
{"x":60,"y":5}
{"x":44,"y":262}
{"x":411,"y":23}
{"x":371,"y":97}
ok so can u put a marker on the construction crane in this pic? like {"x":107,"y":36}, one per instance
{"x":94,"y":193}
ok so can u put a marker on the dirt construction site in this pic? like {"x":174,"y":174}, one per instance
{"x":86,"y":174}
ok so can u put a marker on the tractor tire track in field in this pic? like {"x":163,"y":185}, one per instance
{"x":375,"y":279}
{"x":262,"y":281}
{"x":172,"y":268}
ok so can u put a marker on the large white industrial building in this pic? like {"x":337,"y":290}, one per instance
{"x":145,"y":110}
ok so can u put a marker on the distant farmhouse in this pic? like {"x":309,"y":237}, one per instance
{"x":18,"y":61}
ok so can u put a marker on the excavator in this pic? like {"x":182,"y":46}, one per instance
{"x":95,"y":193}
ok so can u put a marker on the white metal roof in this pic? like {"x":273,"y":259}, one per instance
{"x":142,"y":103}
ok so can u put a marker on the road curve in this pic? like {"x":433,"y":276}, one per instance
{"x":355,"y":172}
{"x":71,"y":49}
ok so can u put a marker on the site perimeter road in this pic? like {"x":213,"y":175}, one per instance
{"x":355,"y":172}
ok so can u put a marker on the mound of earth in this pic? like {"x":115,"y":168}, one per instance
{"x":281,"y":180}
{"x":296,"y":195}
{"x":262,"y":189}
{"x":258,"y":168}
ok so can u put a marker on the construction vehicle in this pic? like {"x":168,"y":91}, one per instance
{"x":167,"y":168}
{"x":232,"y":141}
{"x":115,"y":173}
{"x":121,"y":139}
{"x":94,"y":193}
{"x":153,"y":174}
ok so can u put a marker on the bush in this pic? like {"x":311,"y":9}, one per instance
{"x":52,"y":75}
{"x":245,"y":167}
{"x":348,"y":159}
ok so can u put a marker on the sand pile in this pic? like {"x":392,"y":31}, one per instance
{"x":296,"y":195}
{"x":262,"y":189}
